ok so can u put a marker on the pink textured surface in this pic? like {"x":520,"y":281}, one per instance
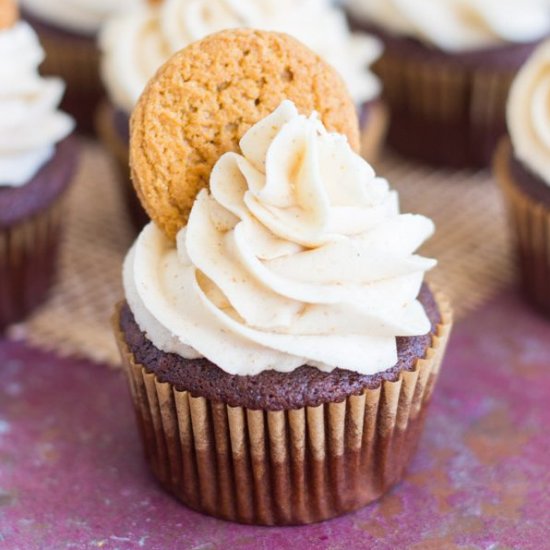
{"x":72,"y":474}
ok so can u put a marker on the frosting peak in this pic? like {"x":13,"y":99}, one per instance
{"x":459,"y":25}
{"x":529,"y":113}
{"x":136,"y":44}
{"x":297,"y":255}
{"x":30,"y":124}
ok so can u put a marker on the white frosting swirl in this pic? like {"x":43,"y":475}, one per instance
{"x":298,"y":255}
{"x":136,"y":44}
{"x":81,"y":16}
{"x":459,"y":25}
{"x":529,"y":113}
{"x":30,"y":124}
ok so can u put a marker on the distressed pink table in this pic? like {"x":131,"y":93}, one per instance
{"x":72,"y":474}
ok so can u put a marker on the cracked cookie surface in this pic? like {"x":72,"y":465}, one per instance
{"x":203,"y":100}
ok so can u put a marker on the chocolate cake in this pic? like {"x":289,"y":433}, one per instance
{"x":271,"y":390}
{"x":18,"y":203}
{"x":30,"y":225}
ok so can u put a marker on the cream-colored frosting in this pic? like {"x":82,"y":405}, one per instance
{"x":529,"y":113}
{"x":30,"y":124}
{"x":136,"y":44}
{"x":459,"y":25}
{"x":81,"y":16}
{"x":297,"y":255}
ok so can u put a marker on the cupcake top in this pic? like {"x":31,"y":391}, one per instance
{"x":458,"y":25}
{"x":297,"y":254}
{"x":136,"y":44}
{"x":30,"y":122}
{"x":80,"y":16}
{"x":529,"y":113}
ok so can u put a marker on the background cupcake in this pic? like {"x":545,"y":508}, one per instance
{"x":37,"y":161}
{"x":279,"y":341}
{"x":523,"y":170}
{"x":68,"y":31}
{"x":136,"y":44}
{"x":447,"y":69}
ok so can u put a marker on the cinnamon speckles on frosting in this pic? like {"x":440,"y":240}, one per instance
{"x":297,"y":255}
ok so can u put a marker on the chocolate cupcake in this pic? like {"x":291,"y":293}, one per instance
{"x":37,"y":161}
{"x":281,"y":348}
{"x":137,"y":43}
{"x":68,"y":31}
{"x":522,"y":167}
{"x":447,"y":69}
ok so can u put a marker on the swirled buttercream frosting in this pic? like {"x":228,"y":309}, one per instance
{"x":458,"y":25}
{"x":137,"y":43}
{"x":297,"y":254}
{"x":30,"y":122}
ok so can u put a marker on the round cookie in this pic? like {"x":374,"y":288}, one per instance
{"x":203,"y":100}
{"x":9,"y":13}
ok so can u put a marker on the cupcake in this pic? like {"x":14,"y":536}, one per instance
{"x":37,"y":161}
{"x":280,"y":342}
{"x":136,"y":44}
{"x":447,"y":69}
{"x":522,"y":167}
{"x":68,"y":31}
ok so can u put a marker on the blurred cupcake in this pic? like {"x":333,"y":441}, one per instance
{"x":282,"y":349}
{"x":37,"y":161}
{"x":68,"y":31}
{"x":522,"y":168}
{"x":447,"y":68}
{"x":136,"y":44}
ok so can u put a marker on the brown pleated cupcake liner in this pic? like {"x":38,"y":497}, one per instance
{"x":76,"y":60}
{"x":446,"y":114}
{"x":530,"y":222}
{"x":286,"y":467}
{"x":28,"y":258}
{"x":119,"y":151}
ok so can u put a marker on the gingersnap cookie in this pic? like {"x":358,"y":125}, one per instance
{"x":204,"y":99}
{"x":9,"y":13}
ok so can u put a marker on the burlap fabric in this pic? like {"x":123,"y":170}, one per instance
{"x":471,"y":245}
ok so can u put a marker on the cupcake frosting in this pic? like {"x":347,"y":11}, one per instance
{"x":529,"y":113}
{"x":81,"y":16}
{"x":136,"y":44}
{"x":458,"y":25}
{"x":297,"y":255}
{"x":30,"y":122}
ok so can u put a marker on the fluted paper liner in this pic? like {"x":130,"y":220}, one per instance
{"x":28,"y":255}
{"x":530,"y":221}
{"x":283,"y":467}
{"x":444,"y":113}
